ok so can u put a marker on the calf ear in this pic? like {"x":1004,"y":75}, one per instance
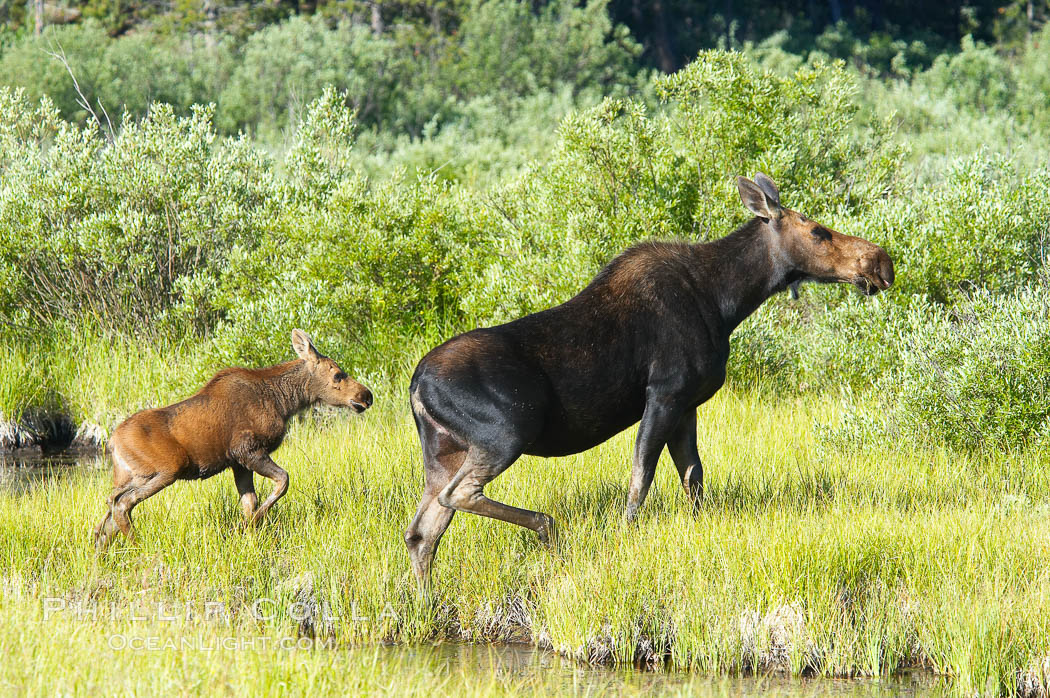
{"x":304,"y":346}
{"x":761,"y":199}
{"x":769,"y":188}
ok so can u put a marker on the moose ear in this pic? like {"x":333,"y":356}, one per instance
{"x":769,"y":188}
{"x":761,"y":197}
{"x":304,"y":346}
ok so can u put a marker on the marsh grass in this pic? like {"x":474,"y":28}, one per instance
{"x":84,"y":657}
{"x":802,"y":559}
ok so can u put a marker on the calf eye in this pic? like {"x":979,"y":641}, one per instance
{"x":821,"y":233}
{"x":339,"y":376}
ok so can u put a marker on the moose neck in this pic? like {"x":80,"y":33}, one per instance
{"x":749,"y":267}
{"x":289,"y":386}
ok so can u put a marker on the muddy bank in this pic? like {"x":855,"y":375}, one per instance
{"x":48,"y":432}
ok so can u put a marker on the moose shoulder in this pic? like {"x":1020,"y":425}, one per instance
{"x":647,"y":339}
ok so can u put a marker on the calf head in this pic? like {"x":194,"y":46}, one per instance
{"x":810,"y":251}
{"x":327,"y":382}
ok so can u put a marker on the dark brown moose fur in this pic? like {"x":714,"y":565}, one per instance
{"x":647,"y":340}
{"x":235,"y":421}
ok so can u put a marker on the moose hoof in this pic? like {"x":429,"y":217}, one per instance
{"x":547,"y":532}
{"x":101,"y":542}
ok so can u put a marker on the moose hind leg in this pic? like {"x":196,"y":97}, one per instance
{"x":682,"y":446}
{"x":423,"y":535}
{"x":442,"y":457}
{"x":138,"y":490}
{"x":466,"y":493}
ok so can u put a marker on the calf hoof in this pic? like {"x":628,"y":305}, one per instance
{"x":104,"y":533}
{"x":101,"y":542}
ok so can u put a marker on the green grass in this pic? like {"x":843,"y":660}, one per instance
{"x":21,"y":382}
{"x":803,"y":559}
{"x":69,"y":656}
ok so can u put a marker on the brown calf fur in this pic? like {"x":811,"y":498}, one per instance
{"x":235,"y":421}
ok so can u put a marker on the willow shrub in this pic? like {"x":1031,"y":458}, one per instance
{"x":169,"y":229}
{"x":976,"y":376}
{"x":132,"y":232}
{"x":623,"y":172}
{"x":362,"y":259}
{"x":119,"y":77}
{"x":980,"y":376}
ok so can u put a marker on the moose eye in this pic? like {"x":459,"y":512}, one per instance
{"x":339,"y":377}
{"x":820,"y":233}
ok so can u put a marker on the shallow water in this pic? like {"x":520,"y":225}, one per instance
{"x":517,"y":662}
{"x":21,"y":471}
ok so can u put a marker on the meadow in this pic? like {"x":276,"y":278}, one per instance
{"x":804,"y":559}
{"x":877,"y":468}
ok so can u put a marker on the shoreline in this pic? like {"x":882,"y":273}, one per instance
{"x":38,"y":431}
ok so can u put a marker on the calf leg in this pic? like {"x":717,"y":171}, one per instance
{"x":465,"y":493}
{"x":107,"y":528}
{"x":264,"y":466}
{"x":658,"y":421}
{"x":138,"y":490}
{"x":244,"y":479}
{"x":682,"y":446}
{"x":250,"y":455}
{"x":122,"y":476}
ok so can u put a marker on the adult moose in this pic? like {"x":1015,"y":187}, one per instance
{"x":647,"y":340}
{"x":235,"y":421}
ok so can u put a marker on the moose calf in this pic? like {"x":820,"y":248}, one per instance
{"x":235,"y":421}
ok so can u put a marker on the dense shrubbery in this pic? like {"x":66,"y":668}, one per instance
{"x":173,"y":226}
{"x":973,"y":376}
{"x":398,"y":81}
{"x":970,"y":100}
{"x":622,"y":173}
{"x":165,"y":229}
{"x":980,"y":374}
{"x":285,"y":66}
{"x":117,"y":77}
{"x":132,"y":233}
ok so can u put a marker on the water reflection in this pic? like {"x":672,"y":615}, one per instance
{"x":22,"y":471}
{"x":526,"y":664}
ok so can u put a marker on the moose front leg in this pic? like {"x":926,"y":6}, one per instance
{"x":682,"y":446}
{"x":244,"y":479}
{"x":250,"y":455}
{"x":658,"y":422}
{"x":268,"y":469}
